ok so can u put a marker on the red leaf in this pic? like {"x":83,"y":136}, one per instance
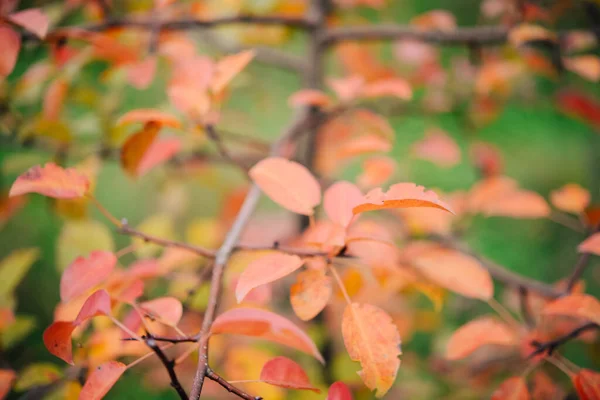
{"x":310,"y":294}
{"x":145,"y":115}
{"x":11,"y":43}
{"x":288,"y":184}
{"x":476,"y":333}
{"x":227,"y":68}
{"x":590,"y":245}
{"x":57,"y":339}
{"x":7,"y":377}
{"x":33,"y":19}
{"x":266,"y":269}
{"x":141,"y":74}
{"x":51,"y":181}
{"x":339,"y":200}
{"x":97,"y":304}
{"x":160,"y":151}
{"x":575,"y":305}
{"x":339,"y":391}
{"x":285,"y":373}
{"x":85,"y":273}
{"x":136,"y":147}
{"x":400,"y":195}
{"x":167,"y":310}
{"x":513,"y":388}
{"x":580,"y":105}
{"x":309,"y":97}
{"x":587,"y":384}
{"x":54,"y":99}
{"x":265,"y":325}
{"x":101,"y":380}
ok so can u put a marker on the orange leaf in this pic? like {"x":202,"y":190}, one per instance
{"x":102,"y":378}
{"x":136,"y":147}
{"x":283,"y":372}
{"x":339,"y":391}
{"x":33,"y":19}
{"x":513,"y":388}
{"x":7,"y":377}
{"x":264,"y":270}
{"x":227,"y":68}
{"x":85,"y":273}
{"x":309,"y":97}
{"x":437,"y":147}
{"x":476,"y":333}
{"x":590,"y":245}
{"x":347,"y":89}
{"x":97,"y":304}
{"x":54,"y":99}
{"x":587,"y":384}
{"x":368,"y":143}
{"x":521,"y":34}
{"x":339,"y":200}
{"x":376,"y":171}
{"x":11,"y":44}
{"x":371,"y":337}
{"x":167,"y":310}
{"x":145,"y":115}
{"x":575,"y":305}
{"x":587,"y":66}
{"x":310,"y":294}
{"x":52,"y":181}
{"x":437,"y":20}
{"x":160,"y":151}
{"x":288,"y":184}
{"x":400,"y":195}
{"x":265,"y":325}
{"x":57,"y":339}
{"x":395,"y":87}
{"x":141,"y":74}
{"x":570,"y":198}
{"x":455,"y":271}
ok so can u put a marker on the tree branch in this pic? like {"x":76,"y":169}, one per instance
{"x":550,"y":346}
{"x":212,"y":375}
{"x":580,"y":266}
{"x":169,"y":365}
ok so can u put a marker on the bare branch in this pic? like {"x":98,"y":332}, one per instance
{"x":213,"y":376}
{"x":580,"y":266}
{"x":169,"y":365}
{"x":550,"y":346}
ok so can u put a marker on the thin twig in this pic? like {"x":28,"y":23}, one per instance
{"x":174,"y":340}
{"x":580,"y":266}
{"x":525,"y":308}
{"x":169,"y":365}
{"x":213,"y":135}
{"x":550,"y":346}
{"x":213,"y":376}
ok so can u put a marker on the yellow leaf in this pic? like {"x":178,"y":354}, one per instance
{"x":159,"y":225}
{"x":13,"y":268}
{"x":79,"y":238}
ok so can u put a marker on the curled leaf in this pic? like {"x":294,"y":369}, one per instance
{"x":372,"y":339}
{"x":400,"y":195}
{"x":288,"y":184}
{"x":285,"y":373}
{"x":265,"y":325}
{"x":266,"y":269}
{"x":52,"y":181}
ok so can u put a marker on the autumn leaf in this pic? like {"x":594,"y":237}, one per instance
{"x":590,"y":245}
{"x":37,"y":374}
{"x":514,"y":388}
{"x":265,"y":325}
{"x":288,"y":184}
{"x":571,"y":198}
{"x":339,"y":391}
{"x":309,"y":97}
{"x":167,"y":310}
{"x":52,"y":181}
{"x":141,"y":74}
{"x":160,"y":151}
{"x":146,"y":115}
{"x":285,"y":373}
{"x":7,"y":377}
{"x":586,"y":66}
{"x":310,"y":294}
{"x":137,"y":145}
{"x":455,"y":271}
{"x":376,"y":171}
{"x":575,"y":305}
{"x":227,"y":68}
{"x":32,"y":19}
{"x":12,"y":270}
{"x":587,"y":384}
{"x":579,"y":105}
{"x":477,"y":333}
{"x":339,"y":201}
{"x":521,"y":34}
{"x":372,"y":339}
{"x":437,"y":147}
{"x":85,"y":273}
{"x":436,"y":20}
{"x":54,"y":99}
{"x":101,"y":380}
{"x":264,"y":270}
{"x":394,"y":87}
{"x":400,"y":195}
{"x":11,"y":44}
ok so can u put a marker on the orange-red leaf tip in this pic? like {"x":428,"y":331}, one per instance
{"x":57,"y":339}
{"x":283,"y":372}
{"x":401,"y":195}
{"x":145,"y":115}
{"x":52,"y":181}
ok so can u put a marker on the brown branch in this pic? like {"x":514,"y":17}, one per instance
{"x":213,"y":376}
{"x":169,"y":365}
{"x":524,"y":307}
{"x":174,"y":340}
{"x":580,"y":266}
{"x":550,"y":346}
{"x":215,"y":137}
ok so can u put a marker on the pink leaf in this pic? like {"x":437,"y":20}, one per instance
{"x":395,"y":87}
{"x":33,"y":19}
{"x":309,"y":97}
{"x":141,"y":74}
{"x":11,"y":43}
{"x":168,"y":310}
{"x":265,"y":325}
{"x":339,"y":391}
{"x":476,"y":333}
{"x":85,"y":273}
{"x":266,"y":269}
{"x":439,"y":148}
{"x":160,"y":151}
{"x":285,"y":373}
{"x":590,"y":245}
{"x":227,"y":68}
{"x":97,"y":304}
{"x":52,"y":181}
{"x":102,"y":378}
{"x":288,"y":184}
{"x":339,"y":200}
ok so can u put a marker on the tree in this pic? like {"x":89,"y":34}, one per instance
{"x":352,"y":256}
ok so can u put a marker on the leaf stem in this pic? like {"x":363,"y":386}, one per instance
{"x":105,"y":212}
{"x":340,"y":283}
